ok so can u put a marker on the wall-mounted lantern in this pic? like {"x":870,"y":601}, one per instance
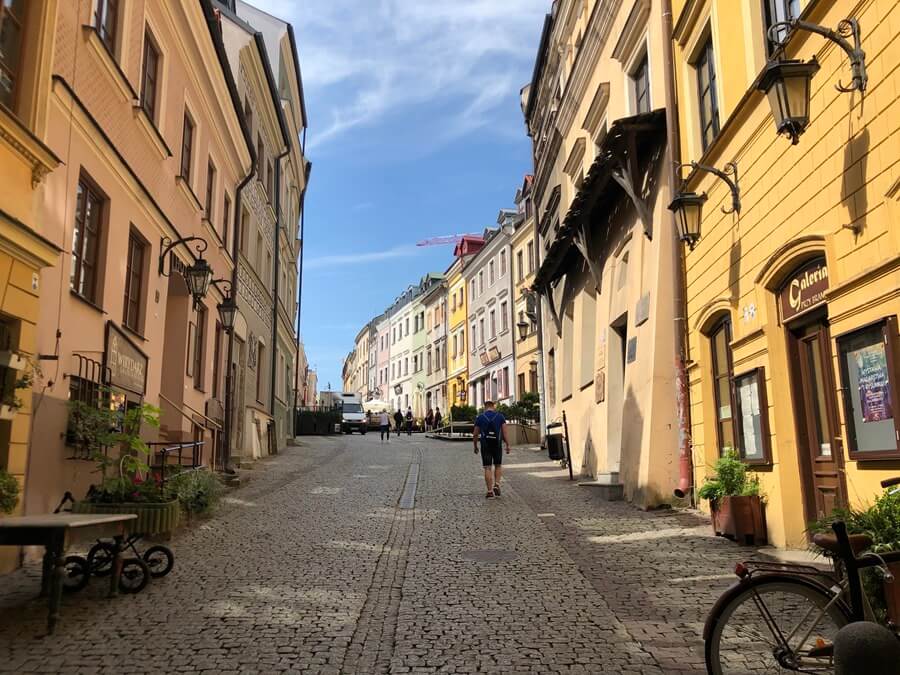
{"x":787,"y":82}
{"x":197,"y":275}
{"x":523,"y":327}
{"x":228,"y":307}
{"x":688,"y":206}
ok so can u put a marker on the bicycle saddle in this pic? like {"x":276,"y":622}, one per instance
{"x":829,"y":542}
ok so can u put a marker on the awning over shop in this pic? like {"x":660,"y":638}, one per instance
{"x":627,"y":155}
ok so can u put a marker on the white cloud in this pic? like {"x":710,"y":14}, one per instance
{"x":365,"y":61}
{"x":361,"y":258}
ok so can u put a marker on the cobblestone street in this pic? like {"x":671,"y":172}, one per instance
{"x":344,"y":555}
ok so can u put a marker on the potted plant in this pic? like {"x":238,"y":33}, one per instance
{"x":881,"y":522}
{"x":9,"y":492}
{"x":127,"y":485}
{"x":735,"y":501}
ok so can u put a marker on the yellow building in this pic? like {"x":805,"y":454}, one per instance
{"x":525,"y":316}
{"x":457,"y":354}
{"x":792,"y":299}
{"x":24,"y":163}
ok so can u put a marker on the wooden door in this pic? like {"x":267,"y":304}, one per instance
{"x":821,"y":454}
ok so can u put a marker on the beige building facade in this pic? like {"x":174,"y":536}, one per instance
{"x":595,"y":113}
{"x":527,"y":347}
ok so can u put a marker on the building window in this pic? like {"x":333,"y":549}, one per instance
{"x":751,"y":410}
{"x":12,"y":28}
{"x":260,"y":360}
{"x":778,"y":11}
{"x":521,"y":384}
{"x":217,"y":358}
{"x":226,"y":218}
{"x":474,"y":338}
{"x":493,"y":325}
{"x":706,"y":93}
{"x":270,"y":181}
{"x":520,"y":264}
{"x":720,"y":345}
{"x":199,"y":347}
{"x":134,"y":282}
{"x":248,"y":114}
{"x":491,"y":273}
{"x":504,"y":383}
{"x":568,"y":346}
{"x":871,"y":389}
{"x":89,"y":207}
{"x":472,"y":290}
{"x":551,"y":376}
{"x":588,"y":337}
{"x":640,"y":80}
{"x":245,"y":232}
{"x":210,"y":189}
{"x":530,"y":257}
{"x":105,"y":20}
{"x":187,"y":146}
{"x":150,"y":77}
{"x":533,"y":377}
{"x":481,"y":282}
{"x":260,"y":157}
{"x":504,"y":317}
{"x":502,"y":263}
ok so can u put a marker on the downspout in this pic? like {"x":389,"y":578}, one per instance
{"x":235,"y":252}
{"x":682,"y":405}
{"x":276,"y":285}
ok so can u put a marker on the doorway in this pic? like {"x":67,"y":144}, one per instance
{"x":815,"y":412}
{"x":617,"y":340}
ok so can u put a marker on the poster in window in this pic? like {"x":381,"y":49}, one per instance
{"x":750,"y":412}
{"x":874,"y":385}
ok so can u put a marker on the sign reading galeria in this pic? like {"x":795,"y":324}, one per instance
{"x":804,"y":290}
{"x":126,"y":365}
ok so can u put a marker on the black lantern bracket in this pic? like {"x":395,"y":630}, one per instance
{"x":166,"y":245}
{"x":218,"y":283}
{"x":729,"y":176}
{"x":846,"y":29}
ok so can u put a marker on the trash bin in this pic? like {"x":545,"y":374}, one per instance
{"x":555,"y":446}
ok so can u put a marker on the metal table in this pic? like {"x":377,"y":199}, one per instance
{"x":56,"y":532}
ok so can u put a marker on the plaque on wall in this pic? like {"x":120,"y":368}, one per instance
{"x":642,"y":310}
{"x":125,"y":364}
{"x":631,"y":353}
{"x":600,"y":386}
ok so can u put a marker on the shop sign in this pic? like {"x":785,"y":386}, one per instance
{"x":804,"y":290}
{"x":125,"y":364}
{"x":491,"y":355}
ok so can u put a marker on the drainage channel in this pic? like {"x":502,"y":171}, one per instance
{"x":408,"y":498}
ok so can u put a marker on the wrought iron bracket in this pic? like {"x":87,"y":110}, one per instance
{"x":218,"y":284}
{"x":848,"y":28}
{"x":166,"y":245}
{"x":731,"y":170}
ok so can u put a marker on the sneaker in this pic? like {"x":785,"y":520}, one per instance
{"x":496,"y":490}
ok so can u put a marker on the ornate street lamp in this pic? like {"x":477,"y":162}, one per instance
{"x":197,"y":275}
{"x":523,"y":329}
{"x":688,"y":206}
{"x":228,"y":307}
{"x":787,"y":82}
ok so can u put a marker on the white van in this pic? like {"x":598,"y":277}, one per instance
{"x":353,"y":417}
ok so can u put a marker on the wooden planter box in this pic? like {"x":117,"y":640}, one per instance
{"x":152,"y":518}
{"x":741,"y":519}
{"x":892,"y":594}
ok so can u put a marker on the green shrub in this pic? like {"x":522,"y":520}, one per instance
{"x":463,"y":413}
{"x":9,"y":492}
{"x":198,"y":491}
{"x":730,"y":479}
{"x":881,"y":521}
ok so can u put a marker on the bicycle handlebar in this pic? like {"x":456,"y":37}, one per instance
{"x":890,"y":482}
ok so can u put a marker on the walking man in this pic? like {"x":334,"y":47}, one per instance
{"x":437,"y":418}
{"x":409,"y":421}
{"x":398,"y":421}
{"x":490,"y":428}
{"x":385,"y":422}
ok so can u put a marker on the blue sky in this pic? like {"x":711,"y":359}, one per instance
{"x":415,"y":131}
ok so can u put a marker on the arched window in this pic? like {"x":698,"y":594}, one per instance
{"x":720,"y":346}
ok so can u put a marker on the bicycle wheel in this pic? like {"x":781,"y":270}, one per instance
{"x":160,"y":560}
{"x":77,"y":575}
{"x":135,"y":576}
{"x":100,"y":558}
{"x":742,"y":640}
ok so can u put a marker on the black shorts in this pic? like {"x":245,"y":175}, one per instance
{"x":491,"y":452}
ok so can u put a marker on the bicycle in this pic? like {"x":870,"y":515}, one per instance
{"x":782,"y":617}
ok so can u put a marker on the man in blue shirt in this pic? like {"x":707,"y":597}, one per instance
{"x":490,"y":429}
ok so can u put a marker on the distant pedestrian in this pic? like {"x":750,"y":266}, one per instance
{"x":429,"y":420}
{"x":385,"y":422}
{"x":398,"y":421}
{"x":409,"y":421}
{"x":490,"y":429}
{"x":437,"y":418}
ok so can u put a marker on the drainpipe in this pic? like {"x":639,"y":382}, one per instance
{"x":229,"y":373}
{"x":682,"y":405}
{"x":276,"y":285}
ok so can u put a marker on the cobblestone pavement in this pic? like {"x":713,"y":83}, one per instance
{"x":318,"y":565}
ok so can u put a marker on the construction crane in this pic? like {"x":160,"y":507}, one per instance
{"x":446,"y":240}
